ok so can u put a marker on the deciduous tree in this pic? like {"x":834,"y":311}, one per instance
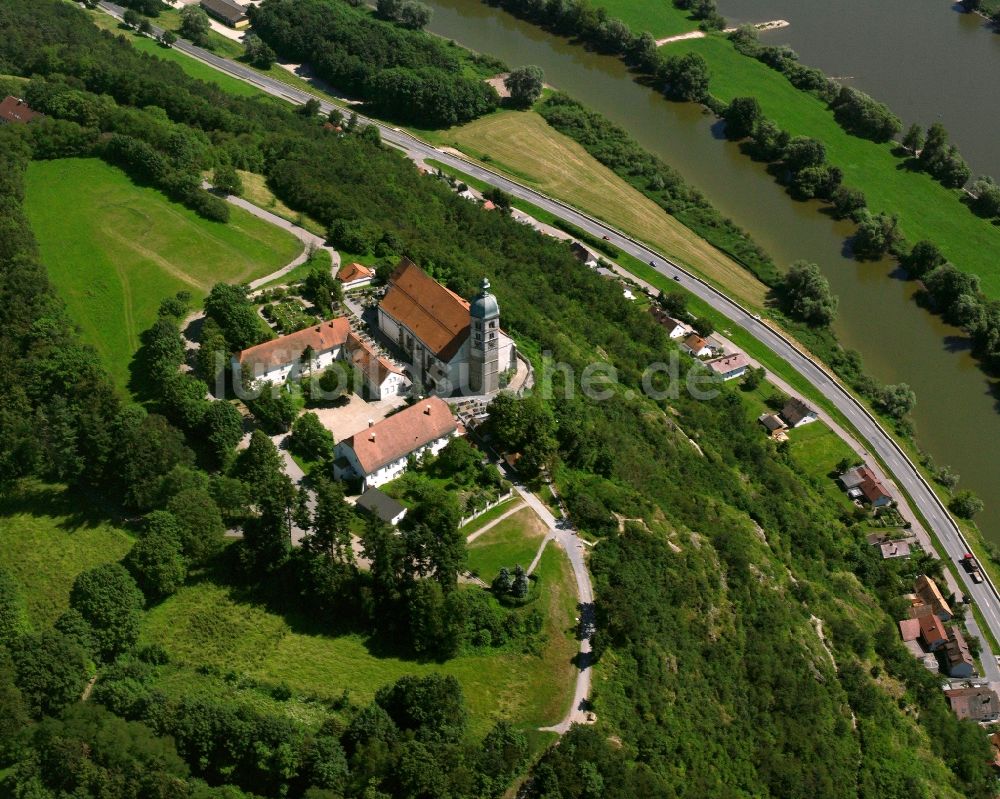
{"x":525,"y":85}
{"x":108,"y":598}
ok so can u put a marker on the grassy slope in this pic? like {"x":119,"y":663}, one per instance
{"x":196,"y":69}
{"x":659,"y":17}
{"x":490,"y":515}
{"x":47,"y":537}
{"x":203,"y":626}
{"x":524,"y":145}
{"x":256,"y":190}
{"x":115,"y":249}
{"x":926,"y":209}
{"x":513,"y":541}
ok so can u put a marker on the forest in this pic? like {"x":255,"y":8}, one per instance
{"x":711,"y":678}
{"x":402,"y":74}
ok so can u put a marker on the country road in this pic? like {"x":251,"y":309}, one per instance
{"x":881,"y":444}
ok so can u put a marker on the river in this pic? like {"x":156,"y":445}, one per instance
{"x":888,"y":47}
{"x":956,"y":416}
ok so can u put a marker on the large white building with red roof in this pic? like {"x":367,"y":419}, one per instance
{"x":453,"y":345}
{"x":380,"y":453}
{"x":274,"y":360}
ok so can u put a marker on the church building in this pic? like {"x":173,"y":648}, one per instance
{"x":453,"y":346}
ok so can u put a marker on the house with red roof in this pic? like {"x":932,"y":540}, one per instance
{"x":354,"y":276}
{"x":381,"y":452}
{"x":729,"y":367}
{"x":274,"y":361}
{"x":380,"y":377}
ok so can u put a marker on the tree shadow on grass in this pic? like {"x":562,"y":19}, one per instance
{"x":74,"y":508}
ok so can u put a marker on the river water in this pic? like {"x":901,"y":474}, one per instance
{"x":957,"y":417}
{"x":927,"y":61}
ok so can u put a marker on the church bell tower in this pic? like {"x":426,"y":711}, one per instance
{"x":484,"y":339}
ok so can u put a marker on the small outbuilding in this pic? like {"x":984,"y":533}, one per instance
{"x":380,"y":505}
{"x":696,"y":346}
{"x":354,"y":276}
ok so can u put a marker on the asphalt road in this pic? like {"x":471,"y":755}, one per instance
{"x":985,"y":594}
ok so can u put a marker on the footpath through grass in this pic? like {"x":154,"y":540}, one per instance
{"x":926,"y":209}
{"x":509,"y":543}
{"x":114,"y":250}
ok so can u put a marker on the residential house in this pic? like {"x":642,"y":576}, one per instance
{"x":979,"y":704}
{"x":729,"y":367}
{"x":228,"y":12}
{"x":930,"y":595}
{"x":875,"y":493}
{"x":453,"y":345}
{"x":380,"y":453}
{"x":932,"y":632}
{"x":958,"y":661}
{"x":273,"y":361}
{"x":380,"y":377}
{"x":796,"y":413}
{"x":895,"y":549}
{"x":489,"y":205}
{"x":380,"y":505}
{"x":774,"y":425}
{"x":696,"y":346}
{"x":861,"y":483}
{"x":15,"y":111}
{"x":675,"y":329}
{"x":583,"y":255}
{"x":354,"y":276}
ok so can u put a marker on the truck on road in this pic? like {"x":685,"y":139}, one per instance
{"x":971,"y":565}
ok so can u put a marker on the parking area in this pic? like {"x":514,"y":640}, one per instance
{"x":353,"y":416}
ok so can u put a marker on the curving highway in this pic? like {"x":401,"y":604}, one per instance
{"x":881,"y":444}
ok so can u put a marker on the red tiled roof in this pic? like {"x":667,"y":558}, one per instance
{"x":695,"y":343}
{"x":873,"y":490}
{"x":434,"y":314}
{"x":351,"y":272}
{"x":730,"y":363}
{"x":14,"y":110}
{"x":932,"y":630}
{"x":374,"y":366}
{"x":909,"y":629}
{"x":397,"y":436}
{"x":287,"y":349}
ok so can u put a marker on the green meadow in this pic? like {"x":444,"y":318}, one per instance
{"x":511,"y":542}
{"x":48,"y":535}
{"x":114,"y":250}
{"x":660,"y":17}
